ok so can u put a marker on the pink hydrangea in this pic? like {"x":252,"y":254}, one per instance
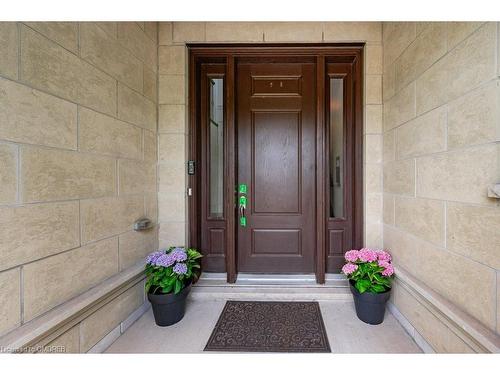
{"x":367,"y":255}
{"x":388,"y":271}
{"x":349,"y":268}
{"x":383,"y":255}
{"x":352,"y":255}
{"x":383,"y":263}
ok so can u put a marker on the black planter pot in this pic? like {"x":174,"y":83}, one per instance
{"x":169,"y":308}
{"x":370,"y":307}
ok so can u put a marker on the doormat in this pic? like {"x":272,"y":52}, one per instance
{"x":245,"y":326}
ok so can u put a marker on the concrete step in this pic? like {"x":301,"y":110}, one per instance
{"x":270,"y":293}
{"x":271,"y":287}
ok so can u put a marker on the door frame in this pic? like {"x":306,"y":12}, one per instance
{"x":228,"y":54}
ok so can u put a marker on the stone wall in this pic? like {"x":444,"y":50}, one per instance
{"x":172,"y":123}
{"x":78,"y":146}
{"x":440,"y":152}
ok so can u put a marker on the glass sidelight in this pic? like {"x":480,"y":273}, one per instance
{"x":216,"y":147}
{"x":344,"y":139}
{"x":209,"y":198}
{"x":336,"y":144}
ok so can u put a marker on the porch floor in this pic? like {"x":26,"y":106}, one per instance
{"x":346,"y":333}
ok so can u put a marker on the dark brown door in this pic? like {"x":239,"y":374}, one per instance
{"x":287,"y":121}
{"x":276,"y":122}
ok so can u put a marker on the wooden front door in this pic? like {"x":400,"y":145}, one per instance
{"x":275,"y":157}
{"x":276,"y":166}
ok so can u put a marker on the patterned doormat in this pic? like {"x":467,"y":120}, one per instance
{"x":245,"y":326}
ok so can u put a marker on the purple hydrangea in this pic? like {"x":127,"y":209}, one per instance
{"x":164,"y":260}
{"x":180,"y":268}
{"x":178,"y":254}
{"x":151,"y":258}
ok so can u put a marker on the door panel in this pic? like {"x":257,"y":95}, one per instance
{"x":264,"y":242}
{"x":276,"y":162}
{"x":276,"y":158}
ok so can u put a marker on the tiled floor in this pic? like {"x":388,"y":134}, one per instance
{"x":345,"y":332}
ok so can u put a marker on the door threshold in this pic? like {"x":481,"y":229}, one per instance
{"x":250,"y":279}
{"x":263,"y":287}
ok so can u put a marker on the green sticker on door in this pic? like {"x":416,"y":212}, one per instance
{"x":242,"y":189}
{"x":243,"y":221}
{"x":243,"y":201}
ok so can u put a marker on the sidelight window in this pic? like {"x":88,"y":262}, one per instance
{"x":216,"y":146}
{"x":336,"y":144}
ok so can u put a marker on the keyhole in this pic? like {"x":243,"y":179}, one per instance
{"x":271,"y":84}
{"x":281,"y":84}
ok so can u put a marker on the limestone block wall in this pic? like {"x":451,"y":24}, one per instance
{"x":172,"y":124}
{"x":441,"y":133}
{"x":78,"y":158}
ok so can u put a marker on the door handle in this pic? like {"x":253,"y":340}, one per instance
{"x":242,"y":211}
{"x":242,"y":204}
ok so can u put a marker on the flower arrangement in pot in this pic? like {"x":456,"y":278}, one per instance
{"x":169,"y":275}
{"x":370,"y":273}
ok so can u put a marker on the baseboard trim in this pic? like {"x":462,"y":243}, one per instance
{"x":408,"y":327}
{"x":106,"y":341}
{"x":120,"y":329}
{"x":132,"y":318}
{"x":44,"y":329}
{"x":478,"y":337}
